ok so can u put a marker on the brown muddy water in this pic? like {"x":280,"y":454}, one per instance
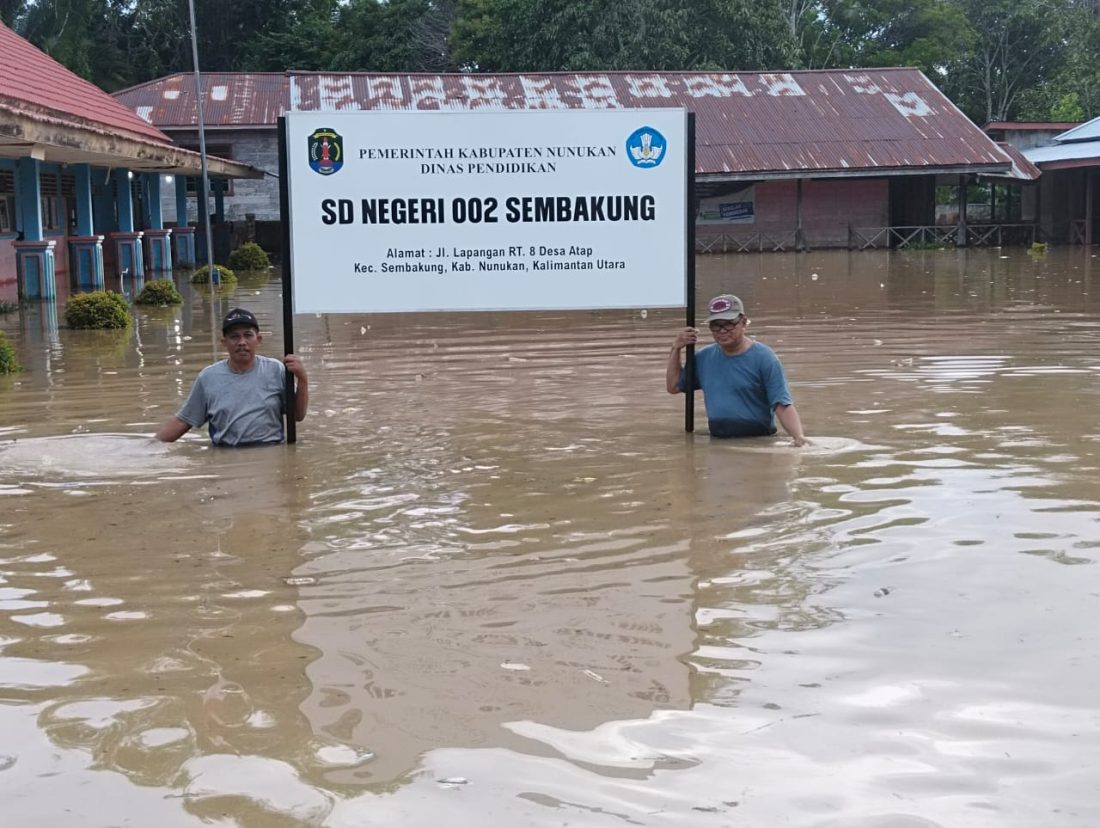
{"x":495,"y":584}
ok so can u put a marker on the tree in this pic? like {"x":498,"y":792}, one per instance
{"x":305,"y":40}
{"x":11,"y":11}
{"x":1072,"y":92}
{"x":397,"y":36}
{"x":1019,"y":44}
{"x":928,"y":34}
{"x":559,"y":35}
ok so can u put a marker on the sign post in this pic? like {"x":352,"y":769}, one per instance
{"x":288,"y":305}
{"x":390,"y":212}
{"x":689,"y":272}
{"x":489,"y":210}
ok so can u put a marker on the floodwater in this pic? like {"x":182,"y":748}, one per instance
{"x":495,"y":583}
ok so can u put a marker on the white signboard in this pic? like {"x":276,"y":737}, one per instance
{"x":431,"y":211}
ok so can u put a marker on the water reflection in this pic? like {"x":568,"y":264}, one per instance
{"x":494,"y":576}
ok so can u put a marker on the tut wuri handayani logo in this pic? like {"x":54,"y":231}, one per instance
{"x":326,"y":151}
{"x":646,"y":147}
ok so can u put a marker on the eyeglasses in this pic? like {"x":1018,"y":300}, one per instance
{"x":724,"y":325}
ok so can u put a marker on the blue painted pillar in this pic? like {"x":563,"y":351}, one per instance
{"x":183,"y":236}
{"x":30,"y":198}
{"x":158,"y":239}
{"x":181,"y":201}
{"x":127,"y":241}
{"x":150,"y":185}
{"x":124,"y":201}
{"x":83,"y":175}
{"x":103,"y":202}
{"x":85,"y":248}
{"x":34,"y":256}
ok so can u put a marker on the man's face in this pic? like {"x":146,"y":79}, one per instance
{"x":728,"y":332}
{"x":241,"y":343}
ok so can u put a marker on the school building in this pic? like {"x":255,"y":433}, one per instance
{"x":784,"y":160}
{"x":84,"y":182}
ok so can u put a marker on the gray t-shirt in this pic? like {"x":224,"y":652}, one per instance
{"x":241,"y":408}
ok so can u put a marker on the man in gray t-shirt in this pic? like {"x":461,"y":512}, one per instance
{"x":241,"y":397}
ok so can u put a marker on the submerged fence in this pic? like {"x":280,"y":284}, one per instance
{"x":972,"y":235}
{"x":901,"y":237}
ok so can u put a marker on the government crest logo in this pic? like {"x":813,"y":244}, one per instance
{"x":326,"y":151}
{"x":646,"y":147}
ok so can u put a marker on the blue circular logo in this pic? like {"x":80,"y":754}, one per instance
{"x":646,"y":147}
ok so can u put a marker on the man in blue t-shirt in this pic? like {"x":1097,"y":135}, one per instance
{"x":744,"y":387}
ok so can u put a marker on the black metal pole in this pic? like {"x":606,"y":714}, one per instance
{"x":689,"y":271}
{"x":288,"y":283}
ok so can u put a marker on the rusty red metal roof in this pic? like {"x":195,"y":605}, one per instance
{"x":1022,"y":168}
{"x":35,"y":85}
{"x":748,"y":124}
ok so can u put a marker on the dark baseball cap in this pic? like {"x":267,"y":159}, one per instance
{"x":239,"y":316}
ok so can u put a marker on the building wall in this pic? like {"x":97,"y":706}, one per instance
{"x":1025,"y":139}
{"x":1061,"y":201}
{"x":8,"y":288}
{"x":829,"y":208}
{"x":260,"y":197}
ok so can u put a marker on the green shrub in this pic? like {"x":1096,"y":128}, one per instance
{"x":100,"y":309}
{"x":8,"y":307}
{"x":249,"y":256}
{"x":202,"y":275}
{"x":8,"y":363}
{"x":159,"y":292}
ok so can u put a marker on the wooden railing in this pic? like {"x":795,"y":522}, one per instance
{"x":897,"y":237}
{"x":977,"y":235}
{"x":749,"y":243}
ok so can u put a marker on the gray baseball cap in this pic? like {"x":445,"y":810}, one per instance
{"x":726,"y":306}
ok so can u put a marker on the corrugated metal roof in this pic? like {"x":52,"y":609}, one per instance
{"x":1022,"y":169}
{"x":1076,"y":154}
{"x":37,"y":86}
{"x":860,"y":122}
{"x":1088,"y":131}
{"x":47,"y":110}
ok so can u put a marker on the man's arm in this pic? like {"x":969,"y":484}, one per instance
{"x":172,"y":430}
{"x":687,"y":336}
{"x":791,"y":422}
{"x":301,"y":391}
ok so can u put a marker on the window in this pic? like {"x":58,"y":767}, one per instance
{"x":216,"y":184}
{"x":7,"y":213}
{"x":7,"y":201}
{"x":50,"y":206}
{"x":50,"y":196}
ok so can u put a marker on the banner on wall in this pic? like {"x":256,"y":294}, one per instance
{"x":739,"y":208}
{"x":517,"y":210}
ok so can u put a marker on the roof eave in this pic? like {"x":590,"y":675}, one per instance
{"x":1068,"y":163}
{"x":854,"y":172}
{"x":21,"y":137}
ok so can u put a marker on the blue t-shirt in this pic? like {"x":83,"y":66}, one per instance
{"x":742,"y":391}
